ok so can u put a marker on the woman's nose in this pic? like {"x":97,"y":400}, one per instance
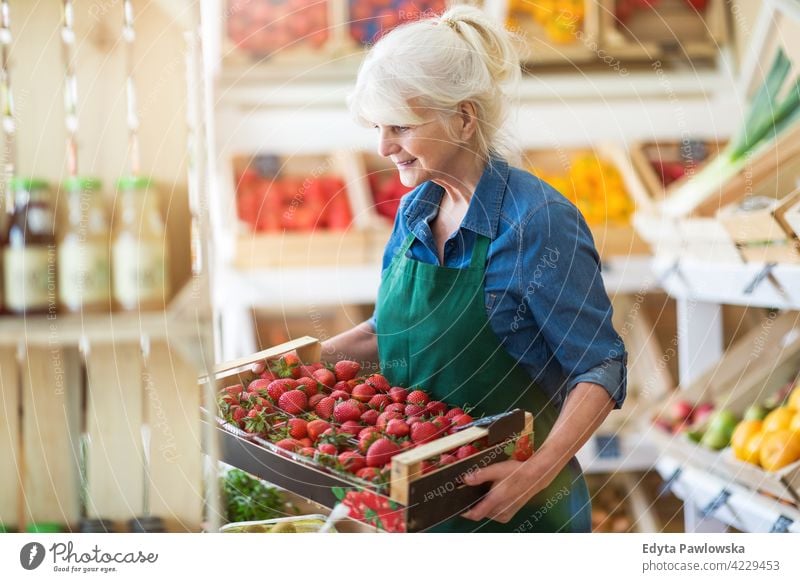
{"x":386,"y":146}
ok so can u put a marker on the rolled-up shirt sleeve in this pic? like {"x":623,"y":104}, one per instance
{"x":565,"y":293}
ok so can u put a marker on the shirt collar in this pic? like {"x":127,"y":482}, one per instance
{"x":483,"y":214}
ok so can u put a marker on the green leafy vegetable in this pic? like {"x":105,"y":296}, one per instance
{"x":250,"y":499}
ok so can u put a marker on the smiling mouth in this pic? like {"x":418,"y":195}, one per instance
{"x":406,"y":163}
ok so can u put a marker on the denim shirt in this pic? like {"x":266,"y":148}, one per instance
{"x":545,"y":296}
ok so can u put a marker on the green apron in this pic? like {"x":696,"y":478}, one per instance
{"x":434,"y":332}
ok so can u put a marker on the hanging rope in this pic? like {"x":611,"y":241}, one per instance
{"x":7,"y":103}
{"x":128,"y":37}
{"x":70,"y":87}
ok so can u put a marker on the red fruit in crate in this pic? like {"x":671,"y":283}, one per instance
{"x":343,"y":387}
{"x":523,"y":449}
{"x":314,"y":400}
{"x":352,"y":427}
{"x":352,"y":461}
{"x":366,"y":437}
{"x":414,"y":410}
{"x":327,"y":449}
{"x":447,"y":459}
{"x":424,"y":432}
{"x":236,"y":390}
{"x":363,"y":392}
{"x":461,"y":420}
{"x":702,"y":413}
{"x":277,"y":388}
{"x":397,"y":428}
{"x":324,"y":408}
{"x":307,"y":371}
{"x":267,"y":375}
{"x":378,"y":382}
{"x":308,"y":451}
{"x":347,"y":410}
{"x":340,"y":395}
{"x":305,"y":441}
{"x":454,"y":412}
{"x":435,"y":408}
{"x":395,"y":407}
{"x":237,"y":414}
{"x":256,"y":385}
{"x":398,"y":394}
{"x":681,"y":410}
{"x":289,"y":445}
{"x":441,"y":423}
{"x":346,"y":370}
{"x":412,"y":420}
{"x":466,"y":451}
{"x":385,"y":417}
{"x":287,"y":366}
{"x":381,"y":452}
{"x":325,"y":377}
{"x":293,"y":402}
{"x":298,"y":428}
{"x":370,"y":417}
{"x":417,"y":397}
{"x":316,"y":428}
{"x":307,"y":385}
{"x":255,"y":422}
{"x":427,"y":466}
{"x":368,"y":473}
{"x":379,"y":402}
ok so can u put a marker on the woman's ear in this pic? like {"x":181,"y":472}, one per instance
{"x":467,"y":120}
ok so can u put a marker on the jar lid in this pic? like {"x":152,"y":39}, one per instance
{"x":96,"y":525}
{"x":134,"y":183}
{"x":85,"y":183}
{"x":27,"y":183}
{"x":44,"y":527}
{"x":146,"y":524}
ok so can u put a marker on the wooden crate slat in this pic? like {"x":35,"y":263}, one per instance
{"x":9,"y":439}
{"x":172,"y":404}
{"x":115,"y":465}
{"x":51,"y":387}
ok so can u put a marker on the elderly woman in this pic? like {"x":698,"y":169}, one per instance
{"x":491,"y":291}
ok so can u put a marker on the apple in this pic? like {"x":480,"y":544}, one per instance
{"x":681,"y":410}
{"x":715,"y":439}
{"x":702,"y":413}
{"x":724,"y":421}
{"x":755,"y":412}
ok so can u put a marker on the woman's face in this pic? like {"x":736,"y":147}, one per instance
{"x":421,"y":152}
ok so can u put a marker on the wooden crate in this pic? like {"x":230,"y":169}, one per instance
{"x":610,"y":239}
{"x":671,"y":30}
{"x":413,"y":501}
{"x":754,"y":368}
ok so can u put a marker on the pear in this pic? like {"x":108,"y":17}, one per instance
{"x":756,"y":412}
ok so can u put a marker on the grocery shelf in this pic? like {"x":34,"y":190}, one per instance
{"x":624,"y":451}
{"x":718,"y":503}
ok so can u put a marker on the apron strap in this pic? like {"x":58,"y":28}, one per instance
{"x":479,"y":251}
{"x":406,"y":245}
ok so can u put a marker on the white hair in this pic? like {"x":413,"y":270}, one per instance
{"x":438,"y":63}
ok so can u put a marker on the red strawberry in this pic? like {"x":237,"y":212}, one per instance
{"x":412,"y":420}
{"x":308,"y":385}
{"x":435,"y":408}
{"x":370,"y":417}
{"x":398,"y":394}
{"x":257,"y":385}
{"x":289,"y":445}
{"x":366,"y":437}
{"x":314,"y":400}
{"x":353,"y":383}
{"x":417,"y":397}
{"x":293,"y":402}
{"x":351,"y":426}
{"x":325,"y":377}
{"x":346,"y":369}
{"x":237,"y":414}
{"x":414,"y":410}
{"x":379,"y":402}
{"x":308,"y":451}
{"x":305,"y":442}
{"x":523,"y":450}
{"x":466,"y":451}
{"x":446,"y":459}
{"x":235,"y":390}
{"x":441,"y":423}
{"x":298,"y":428}
{"x":316,"y":428}
{"x":340,"y":395}
{"x":347,"y":410}
{"x":407,"y":444}
{"x":343,"y":386}
{"x":363,"y":392}
{"x":381,"y":452}
{"x":380,"y":383}
{"x":454,"y":412}
{"x":287,"y":366}
{"x":395,"y":408}
{"x":385,"y":417}
{"x":461,"y":420}
{"x":327,"y":449}
{"x":276,"y":388}
{"x":368,"y":430}
{"x":397,"y":428}
{"x":267,"y":375}
{"x":423,"y":432}
{"x":255,"y":422}
{"x":368,"y":473}
{"x":324,"y":408}
{"x":307,"y":371}
{"x":352,"y":461}
{"x":427,"y":467}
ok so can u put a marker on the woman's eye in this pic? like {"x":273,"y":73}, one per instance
{"x":402,"y":129}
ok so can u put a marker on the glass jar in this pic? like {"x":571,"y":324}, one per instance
{"x":139,"y":260}
{"x":29,"y":254}
{"x":84,"y":273}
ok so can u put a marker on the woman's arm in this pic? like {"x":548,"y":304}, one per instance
{"x":514,"y":483}
{"x":358,"y":343}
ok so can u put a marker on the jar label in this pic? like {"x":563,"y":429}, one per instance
{"x":138,"y":272}
{"x":30,"y":277}
{"x":83,"y":274}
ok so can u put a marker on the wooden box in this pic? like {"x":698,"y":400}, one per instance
{"x":412,"y":501}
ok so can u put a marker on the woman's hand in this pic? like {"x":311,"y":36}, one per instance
{"x":514,"y":483}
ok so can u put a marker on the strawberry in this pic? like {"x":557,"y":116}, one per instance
{"x":307,"y":371}
{"x":381,"y":452}
{"x":427,"y":467}
{"x":435,"y":408}
{"x":352,"y":461}
{"x":346,"y":370}
{"x":441,"y":423}
{"x":370,"y":417}
{"x":308,"y":385}
{"x":347,"y":410}
{"x":407,"y":444}
{"x":314,"y":400}
{"x":368,"y":473}
{"x":235,"y":390}
{"x":327,"y":449}
{"x":446,"y":459}
{"x":325,"y":377}
{"x":417,"y":397}
{"x":423,"y":432}
{"x":287,"y":366}
{"x":324,"y":408}
{"x":379,"y":402}
{"x":363,"y":392}
{"x":395,"y":408}
{"x":255,"y":422}
{"x":523,"y":449}
{"x":257,"y":385}
{"x":454,"y":412}
{"x":305,"y":442}
{"x":340,"y":395}
{"x":397,"y":428}
{"x":351,"y":426}
{"x":414,"y":410}
{"x":288,"y":445}
{"x":237,"y":415}
{"x":343,"y":386}
{"x":308,"y":452}
{"x":385,"y":417}
{"x":298,"y":428}
{"x":315,"y":428}
{"x":293,"y":402}
{"x":267,"y":375}
{"x":461,"y":420}
{"x":366,"y":437}
{"x":276,"y":388}
{"x":412,"y":420}
{"x":379,"y":383}
{"x":398,"y":394}
{"x":466,"y":451}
